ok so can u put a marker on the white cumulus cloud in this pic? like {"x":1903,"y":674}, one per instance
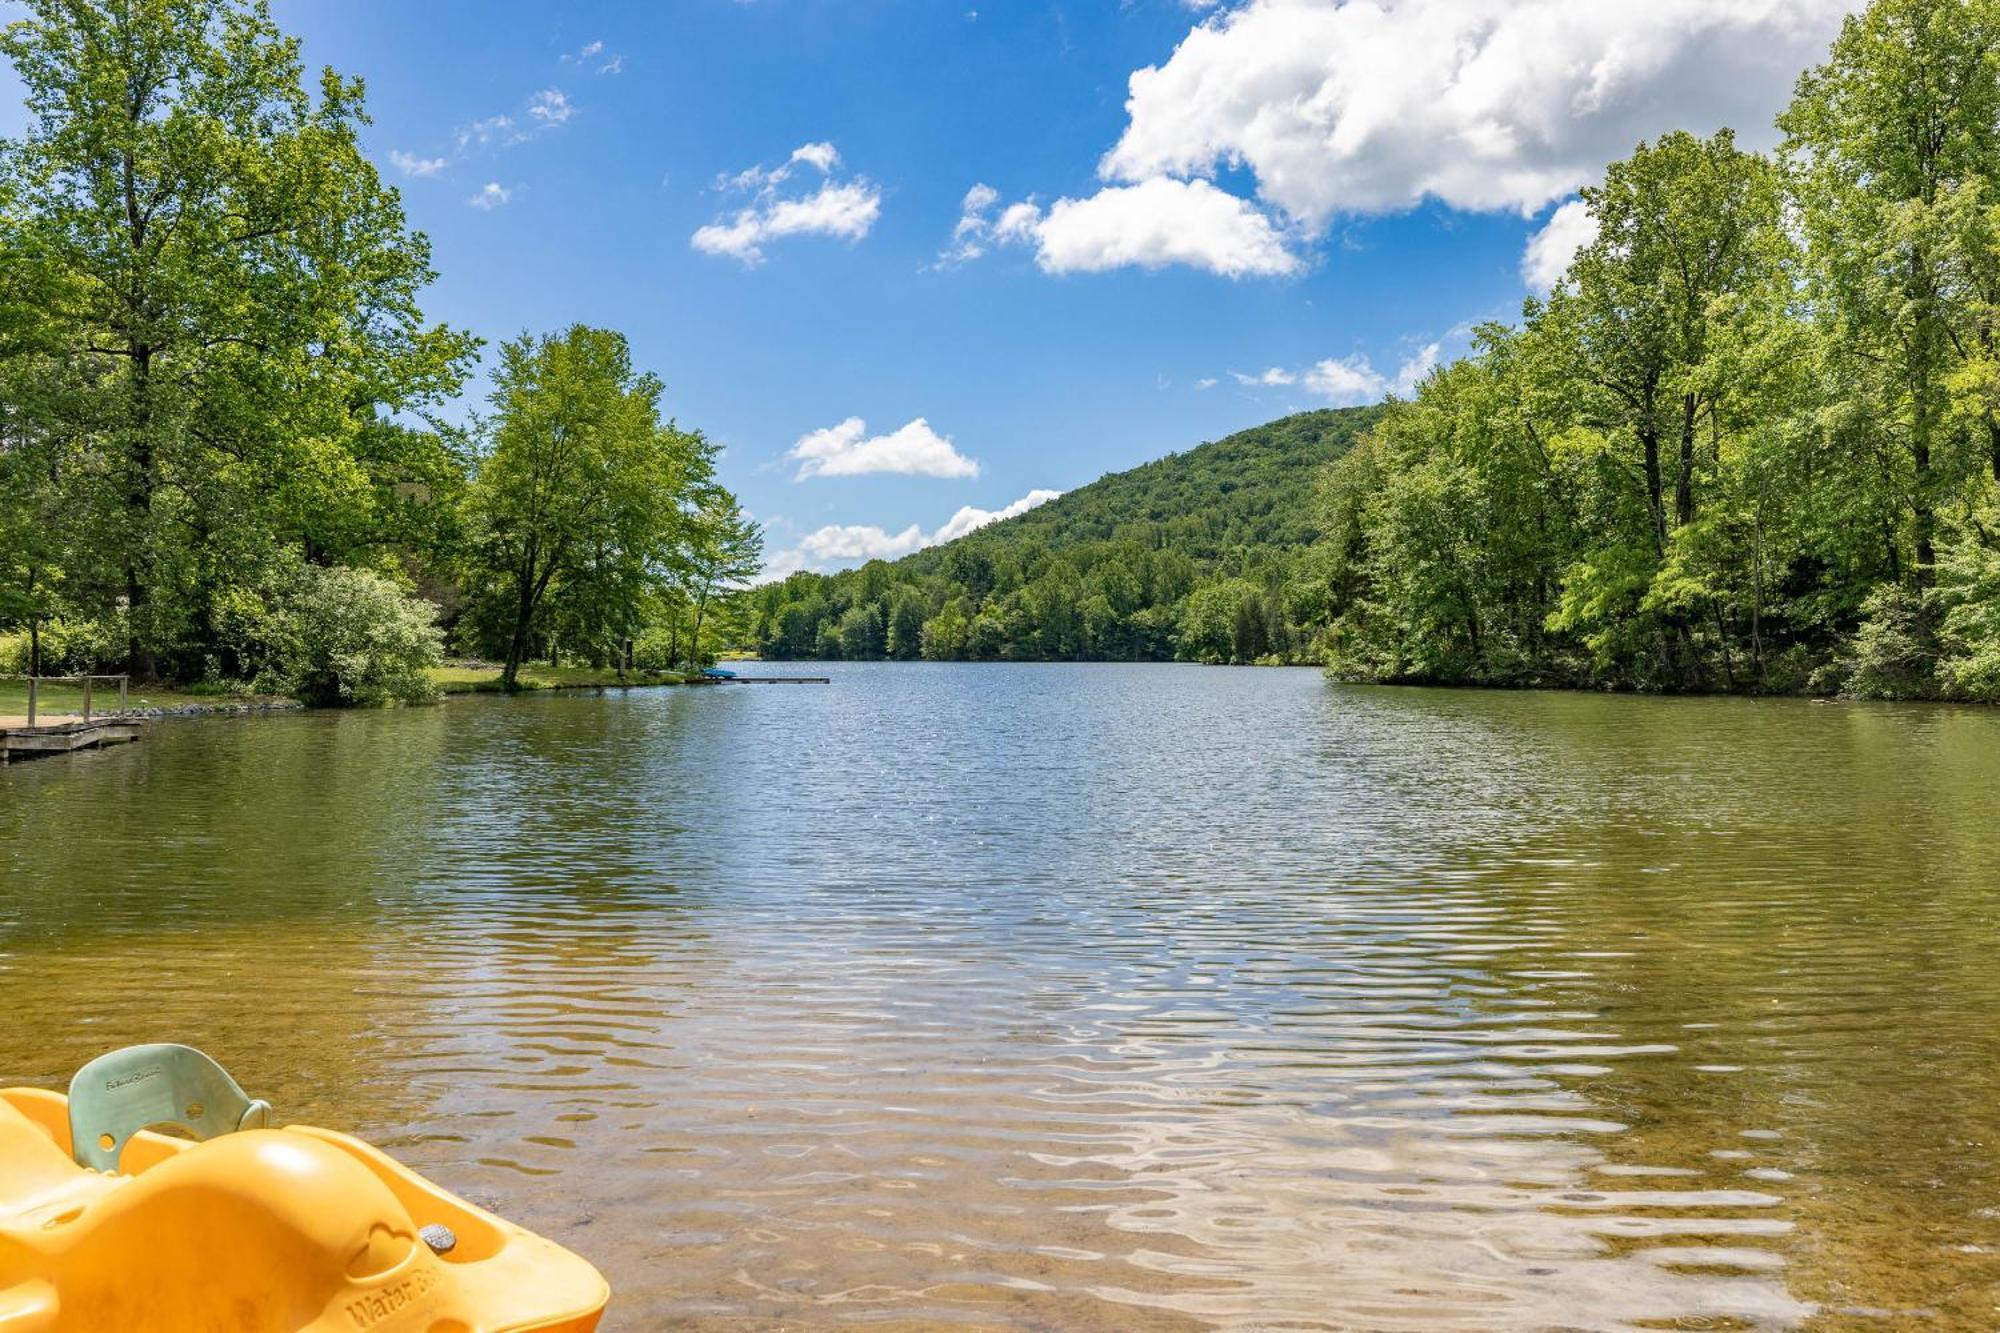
{"x":1550,"y":250}
{"x":836,"y":543}
{"x":491,"y":196}
{"x":1354,"y":107}
{"x":969,"y":518}
{"x":840,"y":544}
{"x":1364,"y":106}
{"x":847,"y":450}
{"x":842,"y":209}
{"x":1159,"y":222}
{"x":1152,"y":224}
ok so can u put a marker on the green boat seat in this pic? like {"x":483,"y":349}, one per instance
{"x":148,"y":1087}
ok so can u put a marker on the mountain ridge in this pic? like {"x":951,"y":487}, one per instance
{"x":1197,"y":554}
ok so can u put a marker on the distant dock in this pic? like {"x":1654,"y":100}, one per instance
{"x":776,"y":680}
{"x":19,"y":740}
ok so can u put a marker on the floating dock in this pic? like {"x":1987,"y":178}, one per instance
{"x":18,"y":740}
{"x":777,"y":680}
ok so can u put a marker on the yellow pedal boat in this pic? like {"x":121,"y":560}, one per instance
{"x":244,"y":1228}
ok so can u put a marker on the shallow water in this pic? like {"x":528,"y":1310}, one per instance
{"x":1090,"y":996}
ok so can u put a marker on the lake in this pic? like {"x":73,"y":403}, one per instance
{"x":1119,"y":997}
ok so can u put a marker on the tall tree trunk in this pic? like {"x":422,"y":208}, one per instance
{"x":1757,"y":589}
{"x":1923,"y":519}
{"x":140,"y":661}
{"x":1722,"y":637}
{"x":1684,"y":484}
{"x":694,"y":639}
{"x":524,"y":615}
{"x":1655,"y":486}
{"x":1928,"y":339}
{"x":517,"y":652}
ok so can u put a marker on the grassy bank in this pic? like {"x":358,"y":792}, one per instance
{"x":63,"y":700}
{"x":485,"y":677}
{"x":56,"y":701}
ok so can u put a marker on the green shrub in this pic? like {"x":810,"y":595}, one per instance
{"x":1893,"y":654}
{"x":348,"y":636}
{"x":657,"y":650}
{"x":69,"y":647}
{"x":1968,"y":595}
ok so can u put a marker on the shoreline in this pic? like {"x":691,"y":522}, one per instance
{"x":465,"y":680}
{"x":451,"y":682}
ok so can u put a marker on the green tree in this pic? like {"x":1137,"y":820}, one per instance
{"x":1893,"y":146}
{"x":907,"y":607}
{"x":724,"y":549}
{"x":1689,"y":239}
{"x":946,"y":633}
{"x":581,"y":485}
{"x":237,"y":283}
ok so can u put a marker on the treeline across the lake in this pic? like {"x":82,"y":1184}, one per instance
{"x":1205,"y":556}
{"x":222,"y":457}
{"x":1749,"y":441}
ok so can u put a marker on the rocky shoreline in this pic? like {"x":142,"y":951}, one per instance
{"x":220,"y":708}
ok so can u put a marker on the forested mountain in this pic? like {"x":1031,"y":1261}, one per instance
{"x":1205,"y":555}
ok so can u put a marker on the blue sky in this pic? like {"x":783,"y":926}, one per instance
{"x":1317,"y":195}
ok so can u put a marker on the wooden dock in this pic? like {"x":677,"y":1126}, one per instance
{"x":779,"y":680}
{"x":18,"y":740}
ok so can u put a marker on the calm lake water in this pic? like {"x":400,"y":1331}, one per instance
{"x":1090,"y":996}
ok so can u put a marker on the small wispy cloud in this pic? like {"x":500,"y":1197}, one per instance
{"x":978,"y":228}
{"x":490,"y":196}
{"x":845,"y":210}
{"x":550,"y":107}
{"x":591,"y":55}
{"x":546,"y":110}
{"x":1346,"y":381}
{"x":412,"y":165}
{"x":491,"y":129}
{"x":1275,"y":377}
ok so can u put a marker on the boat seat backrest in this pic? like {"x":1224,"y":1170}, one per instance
{"x":147,"y":1087}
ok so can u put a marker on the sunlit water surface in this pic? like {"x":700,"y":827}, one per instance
{"x":1090,"y":996}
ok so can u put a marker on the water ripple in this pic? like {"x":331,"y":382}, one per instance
{"x":1090,"y":997}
